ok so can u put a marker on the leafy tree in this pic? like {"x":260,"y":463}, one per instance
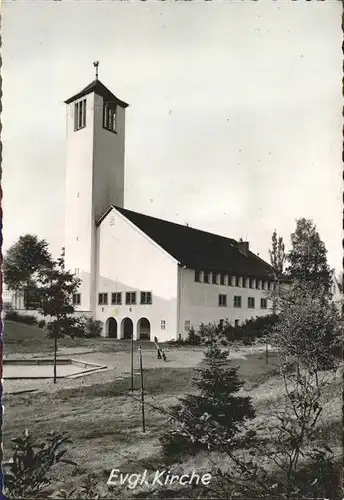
{"x":57,"y":287}
{"x":29,"y":471}
{"x":277,"y":252}
{"x":23,"y":261}
{"x":307,"y":258}
{"x":309,"y":327}
{"x":217,"y":405}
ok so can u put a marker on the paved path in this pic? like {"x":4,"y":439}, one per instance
{"x":118,"y":364}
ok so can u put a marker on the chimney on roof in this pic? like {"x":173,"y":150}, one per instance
{"x":243,"y":247}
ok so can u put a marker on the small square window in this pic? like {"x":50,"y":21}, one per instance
{"x":214,"y":278}
{"x":250,"y":302}
{"x":76,"y":299}
{"x":237,"y":301}
{"x":257,"y":284}
{"x":229,"y":280}
{"x":146,"y":298}
{"x":80,"y":115}
{"x":130,"y":298}
{"x":110,"y":117}
{"x":222,"y":300}
{"x":251,"y":283}
{"x":116,"y":298}
{"x":222,"y":279}
{"x":102,"y":299}
{"x":263,"y":303}
{"x":263,"y":285}
{"x":163,"y":324}
{"x":197,"y":276}
{"x":206,"y":278}
{"x":237,"y":281}
{"x":244,"y":282}
{"x":187,"y":325}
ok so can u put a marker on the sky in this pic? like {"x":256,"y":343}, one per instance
{"x":234,"y":124}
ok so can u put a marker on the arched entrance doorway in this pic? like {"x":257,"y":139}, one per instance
{"x":127,"y":328}
{"x":111,"y":328}
{"x":143,"y":329}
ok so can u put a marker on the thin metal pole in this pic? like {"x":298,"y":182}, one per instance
{"x":132,"y":361}
{"x":55,"y":356}
{"x":142,"y":393}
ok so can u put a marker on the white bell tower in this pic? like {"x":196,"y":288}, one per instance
{"x":94,"y":176}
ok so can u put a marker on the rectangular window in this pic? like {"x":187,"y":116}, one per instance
{"x":80,"y":114}
{"x":130,"y":298}
{"x":237,"y":301}
{"x":237,"y":281}
{"x":229,"y":280}
{"x":214,"y":278}
{"x":163,"y":324}
{"x":263,"y":285}
{"x":187,"y":325}
{"x":222,"y":300}
{"x":206,"y":278}
{"x":269,"y":285}
{"x":116,"y":298}
{"x":109,"y":117}
{"x":102,"y":299}
{"x":244,"y":282}
{"x":263,"y":303}
{"x":197,"y":276}
{"x":76,"y":299}
{"x":251,"y":282}
{"x":250,"y":302}
{"x":222,"y":279}
{"x":258,"y":284}
{"x":146,"y":298}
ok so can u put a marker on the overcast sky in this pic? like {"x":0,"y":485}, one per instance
{"x":234,"y":124}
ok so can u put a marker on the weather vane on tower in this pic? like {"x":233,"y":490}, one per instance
{"x":96,"y":65}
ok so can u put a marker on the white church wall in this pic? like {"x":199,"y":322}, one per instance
{"x":108,"y":160}
{"x":128,"y":261}
{"x":200,"y":303}
{"x":79,"y":220}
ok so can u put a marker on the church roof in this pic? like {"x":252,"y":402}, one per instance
{"x":198,"y":249}
{"x":99,"y":88}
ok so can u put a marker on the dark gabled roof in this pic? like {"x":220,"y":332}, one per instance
{"x":197,"y":249}
{"x":99,"y":88}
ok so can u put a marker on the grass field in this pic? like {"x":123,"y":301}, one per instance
{"x":104,"y":421}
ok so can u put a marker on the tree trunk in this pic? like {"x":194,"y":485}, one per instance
{"x":55,"y":356}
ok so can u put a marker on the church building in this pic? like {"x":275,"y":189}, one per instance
{"x":141,"y":275}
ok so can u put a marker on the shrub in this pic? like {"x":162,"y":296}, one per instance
{"x":29,"y":471}
{"x":250,"y":330}
{"x":87,"y":327}
{"x":193,"y":337}
{"x":217,"y":406}
{"x":20,"y":318}
{"x":41,"y":323}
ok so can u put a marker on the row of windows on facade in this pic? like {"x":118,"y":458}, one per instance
{"x":225,"y":279}
{"x":109,"y":116}
{"x":116,"y":298}
{"x":237,"y":301}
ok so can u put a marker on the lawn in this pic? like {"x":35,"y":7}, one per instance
{"x":104,"y":419}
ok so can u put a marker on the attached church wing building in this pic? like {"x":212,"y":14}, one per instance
{"x":144,"y":276}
